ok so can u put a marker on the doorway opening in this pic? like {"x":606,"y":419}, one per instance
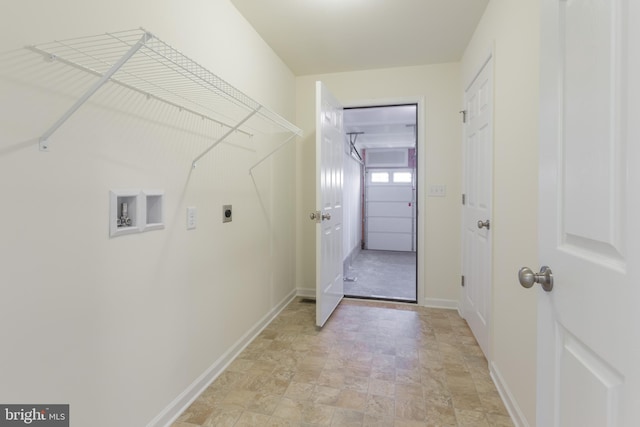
{"x":380,"y":214}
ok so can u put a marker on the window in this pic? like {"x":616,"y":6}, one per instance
{"x":380,"y":177}
{"x":402,"y":177}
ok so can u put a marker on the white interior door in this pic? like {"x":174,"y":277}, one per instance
{"x":476,"y":212}
{"x":330,"y":139}
{"x":588,"y":325}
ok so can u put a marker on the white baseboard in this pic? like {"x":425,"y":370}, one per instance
{"x":510,"y":403}
{"x":182,"y":402}
{"x":450,"y":304}
{"x":306,"y":292}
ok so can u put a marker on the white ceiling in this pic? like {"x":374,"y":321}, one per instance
{"x":327,"y":36}
{"x":382,"y":127}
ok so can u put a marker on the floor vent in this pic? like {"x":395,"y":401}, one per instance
{"x":308,"y":301}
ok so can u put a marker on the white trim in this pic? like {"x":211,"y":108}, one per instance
{"x":184,"y":399}
{"x":449,"y":304}
{"x":421,"y":165}
{"x":518,"y":418}
{"x":306,"y":292}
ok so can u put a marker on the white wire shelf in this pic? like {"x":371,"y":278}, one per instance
{"x":139,"y":61}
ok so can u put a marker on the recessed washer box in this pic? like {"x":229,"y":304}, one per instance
{"x":124,"y":212}
{"x":135,"y":211}
{"x":154,"y":207}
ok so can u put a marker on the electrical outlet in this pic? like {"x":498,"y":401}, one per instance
{"x":227,"y":213}
{"x":192,"y":218}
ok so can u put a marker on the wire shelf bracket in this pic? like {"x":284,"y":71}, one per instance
{"x":139,"y":61}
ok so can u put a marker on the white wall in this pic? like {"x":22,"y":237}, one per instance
{"x":439,"y":163}
{"x":119,"y":327}
{"x":512,"y":29}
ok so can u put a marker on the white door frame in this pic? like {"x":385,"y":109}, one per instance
{"x":420,"y":179}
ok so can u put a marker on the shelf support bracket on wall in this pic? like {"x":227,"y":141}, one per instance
{"x":280,"y":147}
{"x":223,"y":137}
{"x":44,"y":139}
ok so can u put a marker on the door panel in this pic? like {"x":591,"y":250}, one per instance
{"x":588,"y":335}
{"x":390,"y":193}
{"x":392,"y":209}
{"x":329,"y":200}
{"x":390,"y":225}
{"x":478,"y":181}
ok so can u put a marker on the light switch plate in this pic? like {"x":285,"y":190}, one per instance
{"x":192,"y":218}
{"x":437,"y":190}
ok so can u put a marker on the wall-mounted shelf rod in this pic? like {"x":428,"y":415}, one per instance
{"x":280,"y":147}
{"x":223,"y":137}
{"x":44,"y":144}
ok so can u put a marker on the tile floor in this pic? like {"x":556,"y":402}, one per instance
{"x":373,"y":364}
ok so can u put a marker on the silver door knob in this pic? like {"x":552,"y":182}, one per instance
{"x":317,"y":216}
{"x":486,"y":224}
{"x":528,"y":278}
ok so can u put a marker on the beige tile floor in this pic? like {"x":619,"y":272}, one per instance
{"x":373,"y":364}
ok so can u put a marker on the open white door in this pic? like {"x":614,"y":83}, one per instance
{"x":476,"y":212}
{"x":329,"y":182}
{"x":589,"y":228}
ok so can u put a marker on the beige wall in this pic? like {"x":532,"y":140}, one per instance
{"x":440,"y":157}
{"x":120,"y":327}
{"x":511,"y":29}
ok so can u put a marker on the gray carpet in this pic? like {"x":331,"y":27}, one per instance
{"x":382,"y":274}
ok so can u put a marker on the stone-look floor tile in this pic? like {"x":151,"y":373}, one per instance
{"x":373,"y":364}
{"x":196,"y":413}
{"x":468,"y":418}
{"x":263,"y":403}
{"x":325,"y":395}
{"x":408,"y":376}
{"x":299,"y":391}
{"x":331,"y":378}
{"x":240,"y":398}
{"x":492,"y":403}
{"x":347,"y":418}
{"x":380,"y":405}
{"x":317,"y":415}
{"x":289,"y":410}
{"x":223,"y":417}
{"x":250,"y":419}
{"x":399,"y":422}
{"x":496,"y":420}
{"x":376,"y":421}
{"x":441,"y":416}
{"x":468,"y":400}
{"x":382,"y":387}
{"x":351,"y":399}
{"x":281,"y":422}
{"x":360,"y":384}
{"x":409,"y":390}
{"x":412,"y":408}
